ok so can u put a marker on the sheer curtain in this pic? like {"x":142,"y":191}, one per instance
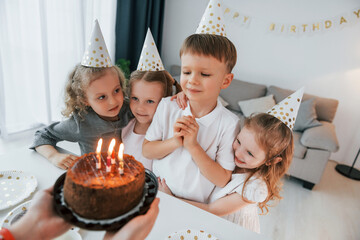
{"x":40,"y":42}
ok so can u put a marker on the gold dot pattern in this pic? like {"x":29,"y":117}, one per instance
{"x":15,"y":186}
{"x":96,"y":50}
{"x":286,"y":110}
{"x":192,"y":234}
{"x":211,"y":22}
{"x":150,"y":58}
{"x":15,"y":214}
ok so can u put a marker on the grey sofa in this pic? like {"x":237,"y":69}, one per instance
{"x":313,"y":145}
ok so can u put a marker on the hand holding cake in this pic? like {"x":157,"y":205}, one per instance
{"x":41,"y":222}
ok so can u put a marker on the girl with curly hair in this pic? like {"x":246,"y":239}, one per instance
{"x":95,"y":108}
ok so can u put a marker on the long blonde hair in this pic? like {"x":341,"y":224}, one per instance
{"x":163,"y":77}
{"x":78,"y":81}
{"x":276,"y":139}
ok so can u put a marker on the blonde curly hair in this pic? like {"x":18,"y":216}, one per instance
{"x":78,"y":81}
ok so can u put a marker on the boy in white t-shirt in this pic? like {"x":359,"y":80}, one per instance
{"x":191,"y":148}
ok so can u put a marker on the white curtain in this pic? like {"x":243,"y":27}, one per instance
{"x":40,"y":42}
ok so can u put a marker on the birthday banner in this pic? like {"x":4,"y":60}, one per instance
{"x":234,"y":16}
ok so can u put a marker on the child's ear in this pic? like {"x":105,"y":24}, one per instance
{"x":277,"y":160}
{"x":273,"y":161}
{"x":227,"y":80}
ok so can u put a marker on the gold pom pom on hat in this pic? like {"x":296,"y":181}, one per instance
{"x":96,"y":53}
{"x":212,"y":21}
{"x":287,"y":110}
{"x":150,"y":58}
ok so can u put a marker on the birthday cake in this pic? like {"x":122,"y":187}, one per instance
{"x":100,"y":194}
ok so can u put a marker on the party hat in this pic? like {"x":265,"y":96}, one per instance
{"x":287,"y":109}
{"x":212,"y":20}
{"x":150,"y":59}
{"x":96,"y":54}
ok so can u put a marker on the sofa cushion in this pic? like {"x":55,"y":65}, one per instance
{"x":299,"y":149}
{"x":306,"y":117}
{"x":241,"y":90}
{"x":321,"y":137}
{"x":325,"y":107}
{"x":261,"y":105}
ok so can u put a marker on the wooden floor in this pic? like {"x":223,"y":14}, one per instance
{"x":330,"y":211}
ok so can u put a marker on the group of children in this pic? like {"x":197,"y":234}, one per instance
{"x":198,"y":152}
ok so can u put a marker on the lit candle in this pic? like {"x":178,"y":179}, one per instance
{"x":112,"y":144}
{"x":108,"y":158}
{"x":121,"y":158}
{"x":98,"y":153}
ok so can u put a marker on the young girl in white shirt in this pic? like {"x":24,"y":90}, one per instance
{"x":146,"y":89}
{"x":263,"y":152}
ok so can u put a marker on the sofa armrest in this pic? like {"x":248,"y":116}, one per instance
{"x":321,"y":137}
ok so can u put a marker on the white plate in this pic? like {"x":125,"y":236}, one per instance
{"x":191,"y":234}
{"x":72,"y":234}
{"x":20,"y":211}
{"x":15,"y":186}
{"x":15,"y":214}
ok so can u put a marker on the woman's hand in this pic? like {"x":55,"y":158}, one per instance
{"x":139,"y":227}
{"x":40,"y":222}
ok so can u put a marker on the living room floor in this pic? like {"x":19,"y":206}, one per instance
{"x":330,"y":211}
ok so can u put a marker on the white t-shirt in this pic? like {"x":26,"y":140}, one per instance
{"x":133,"y":144}
{"x":255,"y":191}
{"x":217,"y":132}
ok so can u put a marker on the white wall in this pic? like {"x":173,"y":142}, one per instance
{"x":327,"y":63}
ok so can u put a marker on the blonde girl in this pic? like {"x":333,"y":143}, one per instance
{"x":94,"y":108}
{"x":263,"y":152}
{"x":146,"y":89}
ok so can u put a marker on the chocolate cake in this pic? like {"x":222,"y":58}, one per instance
{"x":96,"y":194}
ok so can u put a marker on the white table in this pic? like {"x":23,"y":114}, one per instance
{"x":174,"y":214}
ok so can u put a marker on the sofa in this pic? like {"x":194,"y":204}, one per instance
{"x":314,"y":133}
{"x":314,"y":139}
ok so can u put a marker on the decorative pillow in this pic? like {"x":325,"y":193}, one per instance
{"x":240,"y":91}
{"x":223,"y":102}
{"x":262,"y":104}
{"x":306,"y":117}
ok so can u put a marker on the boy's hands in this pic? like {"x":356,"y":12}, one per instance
{"x":181,"y":100}
{"x":187,"y":128}
{"x":62,"y":160}
{"x":178,"y":133}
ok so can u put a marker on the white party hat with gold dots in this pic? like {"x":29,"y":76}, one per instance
{"x":287,"y":109}
{"x":150,"y":59}
{"x":96,"y":54}
{"x":212,"y":22}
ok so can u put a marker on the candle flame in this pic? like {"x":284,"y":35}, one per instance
{"x":111,"y":147}
{"x":98,"y":149}
{"x":121,"y":151}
